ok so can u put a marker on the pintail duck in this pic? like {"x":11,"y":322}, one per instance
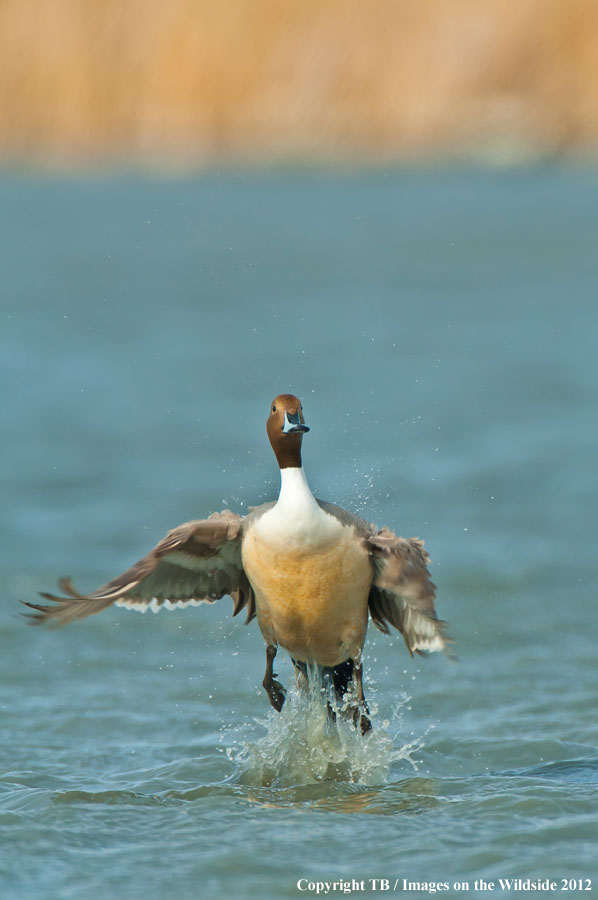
{"x":308,"y":570}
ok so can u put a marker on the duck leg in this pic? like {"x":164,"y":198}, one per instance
{"x":273,"y":688}
{"x":358,"y":716}
{"x":343,"y":675}
{"x":340,"y":678}
{"x":300,"y":674}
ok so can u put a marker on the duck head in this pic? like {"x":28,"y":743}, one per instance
{"x":286,"y":427}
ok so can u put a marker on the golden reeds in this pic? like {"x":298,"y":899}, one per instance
{"x":186,"y":81}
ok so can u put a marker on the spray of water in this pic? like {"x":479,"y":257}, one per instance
{"x":304,"y":745}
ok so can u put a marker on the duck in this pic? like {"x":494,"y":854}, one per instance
{"x":310,"y":572}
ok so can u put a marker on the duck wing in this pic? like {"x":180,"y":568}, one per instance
{"x":402,"y":592}
{"x":198,"y":562}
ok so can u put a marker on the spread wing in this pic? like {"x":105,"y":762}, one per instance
{"x":198,"y":562}
{"x":402,"y":592}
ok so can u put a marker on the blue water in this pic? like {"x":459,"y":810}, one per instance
{"x":440,"y":328}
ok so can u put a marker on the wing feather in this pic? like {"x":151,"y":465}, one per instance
{"x":198,"y":562}
{"x":403,"y":593}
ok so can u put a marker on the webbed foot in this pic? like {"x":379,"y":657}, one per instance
{"x":274,"y":689}
{"x":276,"y":693}
{"x":361,"y":720}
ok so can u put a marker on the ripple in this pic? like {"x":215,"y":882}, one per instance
{"x":580,"y":771}
{"x":106,"y":798}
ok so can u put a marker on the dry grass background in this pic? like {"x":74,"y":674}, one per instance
{"x":190,"y":81}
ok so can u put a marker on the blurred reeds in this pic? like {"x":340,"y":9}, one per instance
{"x":191,"y":81}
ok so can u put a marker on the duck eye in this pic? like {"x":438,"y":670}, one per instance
{"x":273,"y":409}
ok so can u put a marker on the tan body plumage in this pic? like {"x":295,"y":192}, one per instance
{"x":314,"y":603}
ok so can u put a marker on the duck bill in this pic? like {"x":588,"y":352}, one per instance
{"x":293,"y":424}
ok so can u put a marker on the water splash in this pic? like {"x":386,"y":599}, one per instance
{"x":303,"y":745}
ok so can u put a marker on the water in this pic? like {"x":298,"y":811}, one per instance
{"x":440,"y":328}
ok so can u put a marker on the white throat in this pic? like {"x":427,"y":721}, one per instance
{"x":296,"y":516}
{"x":295,"y":495}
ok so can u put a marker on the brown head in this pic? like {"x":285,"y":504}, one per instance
{"x":286,"y":427}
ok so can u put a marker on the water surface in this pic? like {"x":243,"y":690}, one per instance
{"x":441,"y":330}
